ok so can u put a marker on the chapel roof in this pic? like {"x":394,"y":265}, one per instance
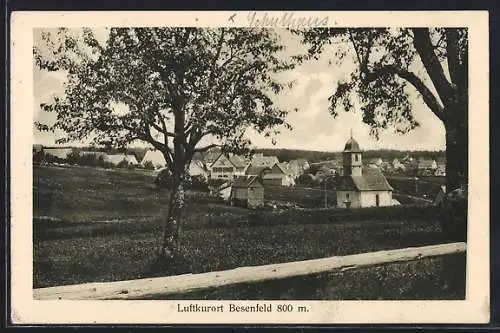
{"x":352,"y":146}
{"x":371,"y":179}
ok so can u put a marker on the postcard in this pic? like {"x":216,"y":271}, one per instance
{"x":249,"y":167}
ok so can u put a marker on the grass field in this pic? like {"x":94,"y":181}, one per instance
{"x":303,"y":197}
{"x":74,"y":247}
{"x":425,"y":187}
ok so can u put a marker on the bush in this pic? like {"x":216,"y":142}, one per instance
{"x":305,"y":180}
{"x":164,"y":179}
{"x":148,"y":165}
{"x":340,"y":215}
{"x":198,"y":183}
{"x":123,"y":164}
{"x":453,"y":216}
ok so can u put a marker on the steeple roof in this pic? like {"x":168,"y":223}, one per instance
{"x":352,"y":146}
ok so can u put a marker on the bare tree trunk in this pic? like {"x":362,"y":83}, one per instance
{"x":454,"y":210}
{"x":172,"y":224}
{"x":457,"y":152}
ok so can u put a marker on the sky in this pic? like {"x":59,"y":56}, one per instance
{"x":314,"y":128}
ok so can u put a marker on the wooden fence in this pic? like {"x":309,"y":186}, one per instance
{"x":151,"y":287}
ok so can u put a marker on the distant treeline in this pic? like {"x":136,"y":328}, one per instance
{"x":292,"y":154}
{"x":138,"y":152}
{"x":318,"y":156}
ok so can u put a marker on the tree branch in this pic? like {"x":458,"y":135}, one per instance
{"x":423,"y":45}
{"x":355,"y":49}
{"x":427,"y":95}
{"x":452,"y":54}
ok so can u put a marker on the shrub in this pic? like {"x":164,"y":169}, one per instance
{"x":148,"y":165}
{"x":164,"y":179}
{"x":305,"y":180}
{"x":123,"y":164}
{"x":197,"y":183}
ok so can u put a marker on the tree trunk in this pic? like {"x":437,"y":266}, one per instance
{"x":457,"y":153}
{"x":453,"y":212}
{"x":172,"y":225}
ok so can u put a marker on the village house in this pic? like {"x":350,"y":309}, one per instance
{"x":426,"y":166}
{"x":397,"y":165}
{"x":260,"y":160}
{"x":298,"y":167}
{"x":119,"y":158}
{"x":155,"y":157}
{"x":259,"y":171}
{"x":227,"y":166}
{"x":361,"y":186}
{"x":278,"y":175}
{"x":441,"y":170}
{"x":247,"y":192}
{"x":377,"y":161}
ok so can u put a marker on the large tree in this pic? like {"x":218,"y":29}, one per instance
{"x":168,"y":87}
{"x":395,"y":65}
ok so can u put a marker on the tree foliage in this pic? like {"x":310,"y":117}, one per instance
{"x":133,"y":87}
{"x":169,"y":87}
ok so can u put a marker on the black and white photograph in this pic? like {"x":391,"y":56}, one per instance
{"x":248,"y":170}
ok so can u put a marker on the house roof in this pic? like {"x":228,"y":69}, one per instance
{"x":235,"y":160}
{"x":371,"y":179}
{"x":247,"y":181}
{"x":254,"y":170}
{"x":154,"y":156}
{"x":284,"y":168}
{"x":264,"y":160}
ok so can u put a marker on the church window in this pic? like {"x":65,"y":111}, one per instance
{"x":356,"y":156}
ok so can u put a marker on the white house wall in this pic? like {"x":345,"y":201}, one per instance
{"x":352,"y":196}
{"x":368,"y":198}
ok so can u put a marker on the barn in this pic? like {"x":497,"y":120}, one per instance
{"x":278,"y":175}
{"x":361,"y":186}
{"x":247,"y":192}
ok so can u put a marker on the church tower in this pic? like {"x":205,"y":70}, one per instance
{"x":352,"y":163}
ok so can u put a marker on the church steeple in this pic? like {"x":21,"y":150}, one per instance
{"x":353,"y":164}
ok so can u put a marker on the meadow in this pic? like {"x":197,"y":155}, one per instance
{"x":95,"y":225}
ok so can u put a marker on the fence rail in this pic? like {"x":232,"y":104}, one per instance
{"x":150,"y":287}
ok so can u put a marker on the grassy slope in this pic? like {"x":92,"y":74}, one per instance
{"x":126,"y":250}
{"x":129,"y":256}
{"x":81,"y":193}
